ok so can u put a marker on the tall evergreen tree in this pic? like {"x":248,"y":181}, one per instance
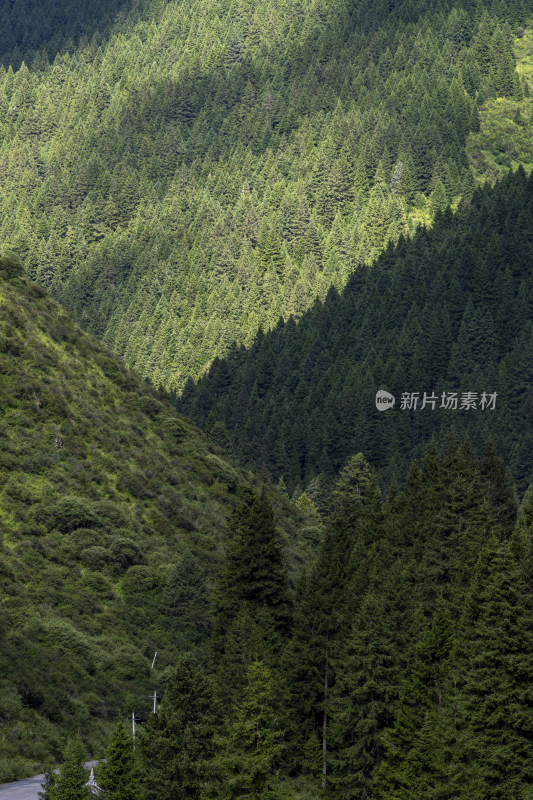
{"x":493,"y":676}
{"x":118,"y":775}
{"x":363,"y":699}
{"x":71,"y":782}
{"x":177,"y":744}
{"x":255,"y":573}
{"x":252,"y":747}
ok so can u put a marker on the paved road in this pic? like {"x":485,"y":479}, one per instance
{"x":27,"y":789}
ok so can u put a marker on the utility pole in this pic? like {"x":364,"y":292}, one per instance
{"x":155,"y":698}
{"x":155,"y":690}
{"x":133,"y":721}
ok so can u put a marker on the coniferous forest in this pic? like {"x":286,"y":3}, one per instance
{"x":228,"y":230}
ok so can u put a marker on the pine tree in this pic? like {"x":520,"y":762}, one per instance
{"x":242,"y":646}
{"x":185,"y":600}
{"x":177,"y":744}
{"x":500,"y":492}
{"x":493,"y":672}
{"x":255,"y":573}
{"x":71,"y":782}
{"x":118,"y":775}
{"x":320,"y":613}
{"x":400,"y":775}
{"x":252,"y":747}
{"x":48,"y":784}
{"x":362,"y":699}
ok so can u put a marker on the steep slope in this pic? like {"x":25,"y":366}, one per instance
{"x":449,"y":311}
{"x":103,"y":490}
{"x":212,"y":165}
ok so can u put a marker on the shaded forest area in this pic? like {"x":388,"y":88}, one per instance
{"x":451,"y":310}
{"x":36,"y":33}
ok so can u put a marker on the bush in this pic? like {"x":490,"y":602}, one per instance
{"x":11,"y":265}
{"x":140,"y":580}
{"x":10,"y":702}
{"x":64,"y":638}
{"x":126,"y":553}
{"x":174,"y":428}
{"x":112,"y":515}
{"x":135,"y":483}
{"x":129,"y":665}
{"x":14,"y":769}
{"x":99,"y":585}
{"x":96,"y":558}
{"x":84,"y":538}
{"x":36,"y":290}
{"x":150,"y":406}
{"x":68,"y":514}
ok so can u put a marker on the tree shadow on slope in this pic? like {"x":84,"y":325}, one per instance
{"x":28,"y":29}
{"x":446,"y":312}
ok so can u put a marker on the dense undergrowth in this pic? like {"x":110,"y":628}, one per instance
{"x":104,"y":489}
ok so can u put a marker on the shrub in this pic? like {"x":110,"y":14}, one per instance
{"x":140,"y":579}
{"x":64,"y":638}
{"x":84,"y":538}
{"x":129,"y":665}
{"x":112,"y":515}
{"x":36,"y":290}
{"x":126,"y":553}
{"x":10,"y":702}
{"x":98,"y":584}
{"x":68,"y":514}
{"x":96,"y":558}
{"x":150,"y":406}
{"x":174,"y":428}
{"x":135,"y":483}
{"x":11,"y":265}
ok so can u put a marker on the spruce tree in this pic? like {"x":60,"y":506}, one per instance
{"x":363,"y":699}
{"x":48,"y":784}
{"x":320,"y":614}
{"x":118,"y":775}
{"x":252,"y":747}
{"x":185,"y":602}
{"x":71,"y":782}
{"x":400,"y":774}
{"x":255,"y":573}
{"x":177,"y":744}
{"x":493,"y":676}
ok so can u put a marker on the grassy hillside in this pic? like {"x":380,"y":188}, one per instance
{"x":210,"y":166}
{"x":103,"y":490}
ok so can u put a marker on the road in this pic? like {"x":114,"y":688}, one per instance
{"x":27,"y":789}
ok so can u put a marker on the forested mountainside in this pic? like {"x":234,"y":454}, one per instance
{"x":210,"y":166}
{"x":401,"y":668}
{"x":115,"y":514}
{"x":449,"y":311}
